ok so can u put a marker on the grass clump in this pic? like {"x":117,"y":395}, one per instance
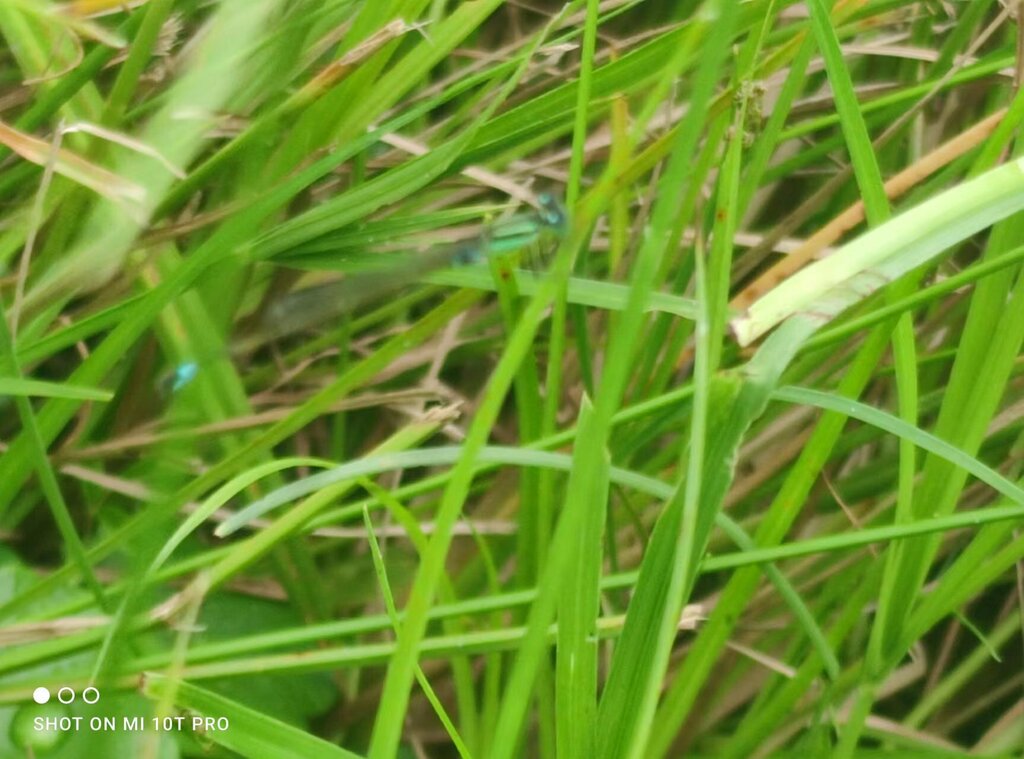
{"x":409,"y":378}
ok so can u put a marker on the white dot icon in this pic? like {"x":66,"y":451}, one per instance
{"x":41,"y":695}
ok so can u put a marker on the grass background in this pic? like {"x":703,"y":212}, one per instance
{"x":732,"y":471}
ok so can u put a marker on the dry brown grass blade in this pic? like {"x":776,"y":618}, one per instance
{"x":72,"y":166}
{"x":337,"y":70}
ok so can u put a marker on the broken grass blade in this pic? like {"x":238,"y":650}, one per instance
{"x":858,"y":269}
{"x":72,"y":166}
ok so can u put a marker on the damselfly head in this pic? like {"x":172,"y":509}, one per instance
{"x":551,"y":212}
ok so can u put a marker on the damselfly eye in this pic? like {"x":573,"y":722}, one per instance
{"x":551,"y":211}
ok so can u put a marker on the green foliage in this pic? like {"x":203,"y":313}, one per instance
{"x":704,"y":467}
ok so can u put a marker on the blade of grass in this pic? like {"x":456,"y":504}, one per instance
{"x":387,"y":726}
{"x":42,"y":389}
{"x":250,"y":733}
{"x":392,"y":610}
{"x":627,"y":706}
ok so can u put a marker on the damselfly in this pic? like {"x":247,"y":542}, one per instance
{"x":318,"y":304}
{"x":311,"y":306}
